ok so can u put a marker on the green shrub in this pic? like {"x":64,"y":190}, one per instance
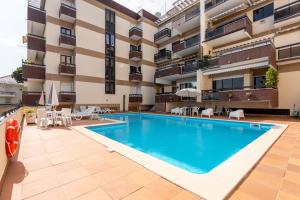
{"x":271,"y":78}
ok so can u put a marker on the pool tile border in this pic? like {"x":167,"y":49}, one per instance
{"x":217,"y":183}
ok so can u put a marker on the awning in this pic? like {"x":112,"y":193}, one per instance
{"x":248,"y":64}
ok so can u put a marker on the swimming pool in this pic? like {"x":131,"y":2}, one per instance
{"x":192,"y":144}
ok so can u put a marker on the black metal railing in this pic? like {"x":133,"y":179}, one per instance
{"x":209,"y":4}
{"x":163,"y":55}
{"x":161,"y":34}
{"x":287,"y":11}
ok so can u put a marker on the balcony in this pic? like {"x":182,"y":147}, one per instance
{"x":187,"y":47}
{"x":288,"y":54}
{"x":36,"y":43}
{"x":162,"y":36}
{"x":220,"y":7}
{"x":33,"y":71}
{"x":36,"y":20}
{"x":187,"y":21}
{"x":190,"y":69}
{"x":167,"y":74}
{"x":136,"y":56}
{"x":67,"y":69}
{"x":258,"y":55}
{"x":167,"y":97}
{"x":135,"y":98}
{"x":31,"y":98}
{"x":67,"y":41}
{"x":287,"y":14}
{"x":162,"y":56}
{"x":67,"y":12}
{"x":136,"y":77}
{"x":235,"y":30}
{"x":135,"y":34}
{"x":67,"y":97}
{"x":248,"y":94}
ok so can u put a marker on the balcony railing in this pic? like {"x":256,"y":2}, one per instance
{"x":135,"y":77}
{"x":289,"y":52}
{"x":162,"y":56}
{"x":36,"y":43}
{"x":190,"y":67}
{"x":33,"y":71}
{"x":209,"y":4}
{"x":167,"y":71}
{"x":193,"y":41}
{"x":36,"y":14}
{"x":162,"y":34}
{"x":7,"y":94}
{"x":287,"y":11}
{"x":68,"y":69}
{"x":193,"y":13}
{"x":67,"y":10}
{"x":246,"y":94}
{"x":31,"y":98}
{"x":167,"y":97}
{"x":233,"y":26}
{"x":67,"y":97}
{"x":69,"y":40}
{"x":135,"y":98}
{"x":135,"y":55}
{"x":135,"y":33}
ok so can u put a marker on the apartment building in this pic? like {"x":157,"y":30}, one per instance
{"x":239,"y":41}
{"x":95,"y":51}
{"x":101,"y":53}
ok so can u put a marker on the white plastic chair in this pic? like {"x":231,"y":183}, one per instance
{"x":42,"y":118}
{"x":237,"y":114}
{"x":175,"y":110}
{"x":195,"y":110}
{"x":83,"y":108}
{"x":66,"y":117}
{"x":208,"y":112}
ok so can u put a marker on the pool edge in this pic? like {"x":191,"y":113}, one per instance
{"x":217,"y":183}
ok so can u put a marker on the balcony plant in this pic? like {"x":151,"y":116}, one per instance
{"x":271,"y":78}
{"x":248,"y":95}
{"x":229,"y":95}
{"x":30,"y":115}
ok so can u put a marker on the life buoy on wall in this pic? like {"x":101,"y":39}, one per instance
{"x":12,"y":137}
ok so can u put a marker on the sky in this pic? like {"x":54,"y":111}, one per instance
{"x":13,"y":25}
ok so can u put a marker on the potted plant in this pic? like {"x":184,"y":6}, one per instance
{"x":248,"y":95}
{"x":30,"y":115}
{"x":271,"y":78}
{"x":229,"y":95}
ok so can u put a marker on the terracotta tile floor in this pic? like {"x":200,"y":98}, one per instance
{"x":60,"y":163}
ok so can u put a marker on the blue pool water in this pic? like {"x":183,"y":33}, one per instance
{"x":196,"y":145}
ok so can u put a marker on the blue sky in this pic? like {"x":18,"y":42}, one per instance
{"x":13,"y":24}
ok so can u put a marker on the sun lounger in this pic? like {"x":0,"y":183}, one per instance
{"x":175,"y":111}
{"x":88,"y":113}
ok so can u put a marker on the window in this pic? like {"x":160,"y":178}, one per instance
{"x":135,"y":48}
{"x":228,"y":84}
{"x":110,"y":85}
{"x":66,"y":59}
{"x":259,"y":82}
{"x":188,"y":85}
{"x":65,"y":31}
{"x":134,"y":69}
{"x":263,"y":12}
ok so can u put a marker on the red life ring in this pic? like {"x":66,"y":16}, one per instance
{"x":12,"y":137}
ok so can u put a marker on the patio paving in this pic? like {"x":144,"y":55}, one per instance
{"x":61,"y":163}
